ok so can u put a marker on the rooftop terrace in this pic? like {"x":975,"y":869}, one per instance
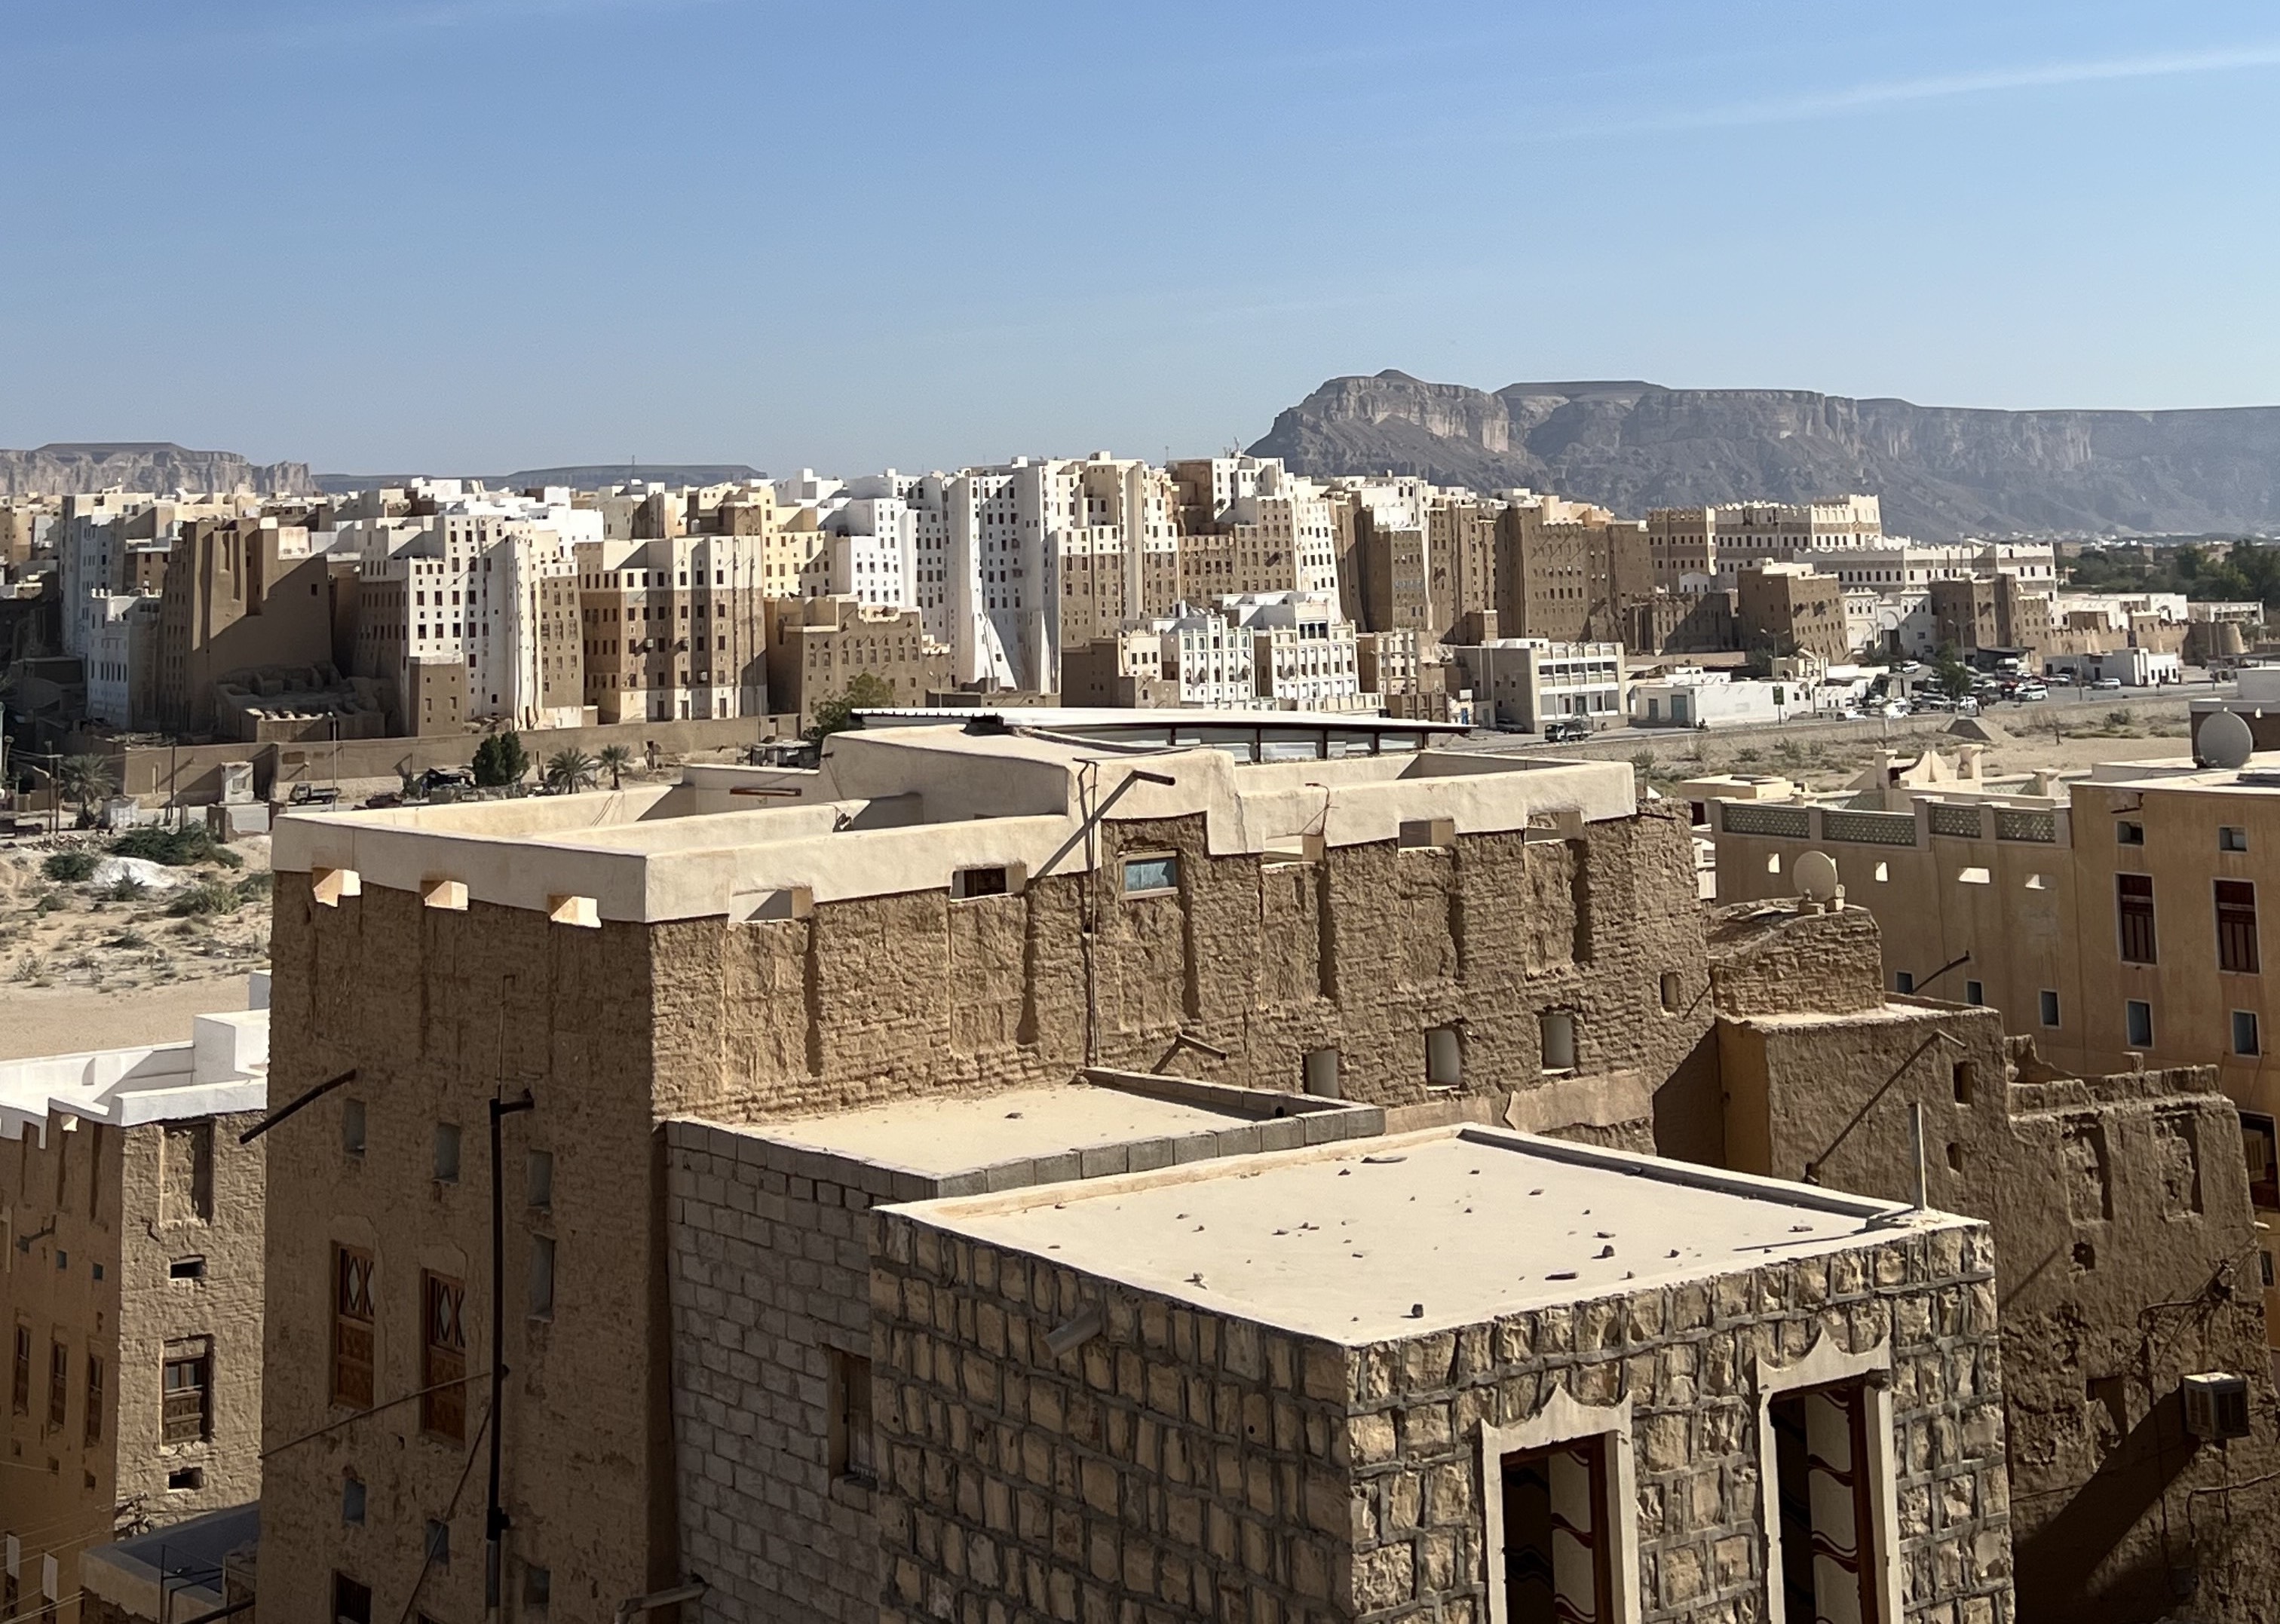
{"x":1369,"y":1239}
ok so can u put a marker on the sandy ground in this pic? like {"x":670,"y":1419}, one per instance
{"x":37,"y":1020}
{"x":2071,"y":738}
{"x":89,"y":966}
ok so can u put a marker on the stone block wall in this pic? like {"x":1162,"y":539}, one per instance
{"x":770,"y":1259}
{"x":1187,"y":1464}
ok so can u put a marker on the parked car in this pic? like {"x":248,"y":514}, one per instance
{"x":1566,"y":730}
{"x":2106,"y":683}
{"x":2061,"y":679}
{"x":2030,"y":692}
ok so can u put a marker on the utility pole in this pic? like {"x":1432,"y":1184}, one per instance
{"x":496,"y":1522}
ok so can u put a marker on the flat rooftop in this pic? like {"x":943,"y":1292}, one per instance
{"x":953,"y":1136}
{"x":900,"y":809}
{"x":2260,"y":775}
{"x":1371,"y":1240}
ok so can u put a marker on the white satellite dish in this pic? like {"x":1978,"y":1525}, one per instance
{"x":2225,"y":740}
{"x":1816,"y":877}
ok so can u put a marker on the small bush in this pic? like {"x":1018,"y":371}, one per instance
{"x":68,"y":866}
{"x":2117,"y":718}
{"x":127,"y":887}
{"x":255,"y":888}
{"x":47,"y":904}
{"x":206,"y":897}
{"x":175,"y":848}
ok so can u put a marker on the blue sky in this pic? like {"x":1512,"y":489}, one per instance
{"x":478,"y":234}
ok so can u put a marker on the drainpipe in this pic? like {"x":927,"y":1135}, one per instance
{"x":633,"y":1607}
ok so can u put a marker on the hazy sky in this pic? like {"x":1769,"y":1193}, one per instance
{"x":478,"y":234}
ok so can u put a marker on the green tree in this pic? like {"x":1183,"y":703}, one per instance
{"x":614,"y":759}
{"x":1954,"y":676}
{"x":499,"y":760}
{"x":85,"y":779}
{"x":569,"y":771}
{"x":865,"y":692}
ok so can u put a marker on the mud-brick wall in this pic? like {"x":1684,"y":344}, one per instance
{"x":1182,"y":1464}
{"x":221,"y":1308}
{"x":435,"y":1012}
{"x":876,"y":998}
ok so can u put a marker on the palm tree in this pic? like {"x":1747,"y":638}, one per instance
{"x":571,"y":770}
{"x":83,"y":779}
{"x":614,"y":759}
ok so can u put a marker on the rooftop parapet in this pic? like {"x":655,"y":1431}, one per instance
{"x":904,"y":809}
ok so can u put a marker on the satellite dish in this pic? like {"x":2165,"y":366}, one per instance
{"x":2224,"y":741}
{"x":1816,"y":877}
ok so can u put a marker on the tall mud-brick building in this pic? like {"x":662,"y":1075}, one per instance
{"x":944,"y":909}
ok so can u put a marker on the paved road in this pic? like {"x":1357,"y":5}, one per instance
{"x":2013,"y":716}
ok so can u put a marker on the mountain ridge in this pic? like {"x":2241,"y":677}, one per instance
{"x":82,"y":467}
{"x":1941,"y":472}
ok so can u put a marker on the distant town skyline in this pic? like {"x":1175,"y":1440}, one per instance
{"x":504,"y":234}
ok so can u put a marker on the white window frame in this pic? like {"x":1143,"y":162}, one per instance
{"x":1564,"y":1419}
{"x":1822,"y":1365}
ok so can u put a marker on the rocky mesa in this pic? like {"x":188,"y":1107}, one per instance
{"x":64,"y":469}
{"x":1942,"y":472}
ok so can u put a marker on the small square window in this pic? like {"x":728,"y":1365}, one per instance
{"x":352,"y":1127}
{"x":1974,"y":992}
{"x":439,"y":1543}
{"x":447,"y":1153}
{"x":352,"y":1500}
{"x":537,"y":1588}
{"x":187,"y":1268}
{"x":2137,"y":1019}
{"x":2049,"y":1001}
{"x":1967,"y":1080}
{"x":2229,"y":838}
{"x":538,"y":1179}
{"x":186,"y":1479}
{"x":2128,"y":834}
{"x":1145,"y":875}
{"x":1903,"y":981}
{"x":2244,"y":1033}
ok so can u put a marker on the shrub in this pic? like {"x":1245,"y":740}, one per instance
{"x":175,"y":848}
{"x":255,"y":886}
{"x":127,"y":887}
{"x":69,"y":866}
{"x":206,"y":897}
{"x":2117,"y":718}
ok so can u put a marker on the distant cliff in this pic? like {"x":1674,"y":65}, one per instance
{"x":1941,"y":471}
{"x":152,"y":466}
